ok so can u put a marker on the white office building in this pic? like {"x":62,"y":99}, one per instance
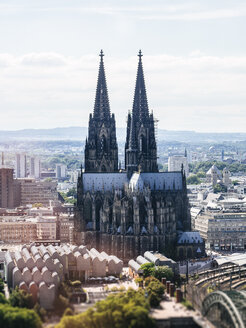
{"x":20,"y":166}
{"x":175,"y":164}
{"x":35,"y":167}
{"x":61,"y":171}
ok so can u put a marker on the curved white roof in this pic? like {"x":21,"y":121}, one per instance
{"x":151,"y":257}
{"x":236,"y":258}
{"x":134,"y":266}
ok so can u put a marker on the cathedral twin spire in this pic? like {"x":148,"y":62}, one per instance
{"x":140,"y":148}
{"x":101,"y":151}
{"x":101,"y":107}
{"x":140,"y":104}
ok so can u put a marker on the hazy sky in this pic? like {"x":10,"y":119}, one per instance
{"x":194,"y":61}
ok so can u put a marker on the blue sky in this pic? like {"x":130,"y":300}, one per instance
{"x":194,"y":61}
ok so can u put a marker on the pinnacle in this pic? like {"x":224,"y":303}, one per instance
{"x":101,"y":107}
{"x":140,"y":103}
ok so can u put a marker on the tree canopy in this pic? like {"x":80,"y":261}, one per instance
{"x":20,"y":298}
{"x":11,"y":317}
{"x":123,"y":310}
{"x":159,"y":272}
{"x":193,"y":179}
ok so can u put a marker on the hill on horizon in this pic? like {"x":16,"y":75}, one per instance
{"x":80,"y":133}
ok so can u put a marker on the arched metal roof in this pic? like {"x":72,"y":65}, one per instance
{"x":233,"y":302}
{"x":237,"y":259}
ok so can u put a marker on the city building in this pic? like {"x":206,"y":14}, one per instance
{"x":13,"y":230}
{"x":40,"y":270}
{"x":20,"y":166}
{"x":175,"y":163}
{"x":222,"y":231}
{"x":127,"y":211}
{"x":226,"y":177}
{"x":213,"y":175}
{"x":190,"y":245}
{"x":65,"y":227}
{"x":6,"y":188}
{"x":74,"y":176}
{"x":35,"y":167}
{"x":34,"y":191}
{"x":46,"y":227}
{"x":48,"y":174}
{"x":61,"y":171}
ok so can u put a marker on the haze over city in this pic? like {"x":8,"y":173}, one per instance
{"x":194,"y":61}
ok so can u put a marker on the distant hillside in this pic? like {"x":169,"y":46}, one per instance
{"x":79,"y":133}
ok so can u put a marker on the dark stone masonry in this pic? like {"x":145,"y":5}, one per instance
{"x":127,"y":211}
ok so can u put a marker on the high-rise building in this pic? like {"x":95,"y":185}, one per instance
{"x":226,"y":177}
{"x":61,"y":171}
{"x":126,"y":212}
{"x":20,"y":166}
{"x":175,"y":163}
{"x":6,"y":188}
{"x":35,"y":167}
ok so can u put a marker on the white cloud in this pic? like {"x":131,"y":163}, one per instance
{"x":195,"y":92}
{"x":177,"y":11}
{"x":43,"y":59}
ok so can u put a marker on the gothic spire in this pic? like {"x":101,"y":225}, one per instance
{"x":132,"y":136}
{"x":140,"y":104}
{"x":131,"y":152}
{"x":101,"y":107}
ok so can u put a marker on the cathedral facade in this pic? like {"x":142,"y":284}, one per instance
{"x":127,"y":211}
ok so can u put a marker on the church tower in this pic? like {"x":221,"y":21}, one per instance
{"x":140,"y":148}
{"x":101,"y":150}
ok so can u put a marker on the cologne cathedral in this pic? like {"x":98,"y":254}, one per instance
{"x":127,"y":211}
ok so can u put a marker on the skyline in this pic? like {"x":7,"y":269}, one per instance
{"x":194,"y":74}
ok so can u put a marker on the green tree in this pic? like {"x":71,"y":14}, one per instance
{"x":154,"y":299}
{"x":156,"y":287}
{"x":163,"y":272}
{"x":68,"y":311}
{"x":148,"y":269}
{"x":127,"y":309}
{"x":193,"y":179}
{"x":201,"y":174}
{"x":148,"y":280}
{"x":1,"y":286}
{"x":219,"y":188}
{"x":3,"y":299}
{"x":155,"y":290}
{"x":72,"y":192}
{"x":20,"y":298}
{"x":11,"y":317}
